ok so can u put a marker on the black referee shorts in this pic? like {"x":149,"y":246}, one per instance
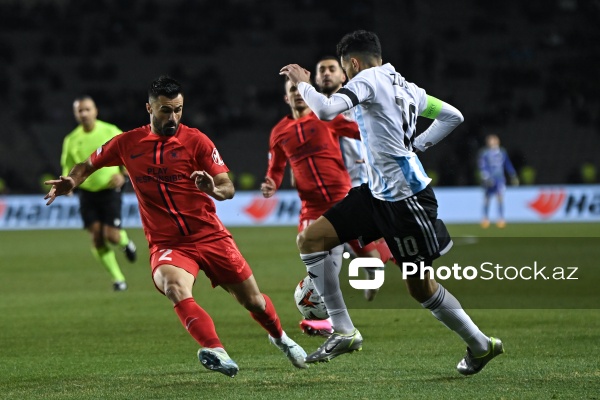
{"x":103,"y":206}
{"x":410,"y":226}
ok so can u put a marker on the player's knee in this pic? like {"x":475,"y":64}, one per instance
{"x":176,"y":291}
{"x":308,"y":243}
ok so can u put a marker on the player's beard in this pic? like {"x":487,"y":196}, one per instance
{"x":328,"y":91}
{"x":168,"y":129}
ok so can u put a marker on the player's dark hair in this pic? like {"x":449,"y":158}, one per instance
{"x":164,"y":86}
{"x":328,"y":57}
{"x":359,"y":42}
{"x":83,"y":97}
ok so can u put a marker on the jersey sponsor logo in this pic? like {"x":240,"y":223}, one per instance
{"x":134,"y":156}
{"x":548,"y":202}
{"x":217,"y":157}
{"x":260,"y":208}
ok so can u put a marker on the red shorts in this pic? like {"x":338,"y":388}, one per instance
{"x":220,"y":260}
{"x":380,"y":245}
{"x":309,"y":214}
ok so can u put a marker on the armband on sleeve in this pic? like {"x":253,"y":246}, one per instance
{"x":434,"y":106}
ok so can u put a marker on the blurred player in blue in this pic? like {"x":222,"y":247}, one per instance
{"x":493,"y":161}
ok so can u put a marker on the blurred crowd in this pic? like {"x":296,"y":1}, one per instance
{"x":522,"y":70}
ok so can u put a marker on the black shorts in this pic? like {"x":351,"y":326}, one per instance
{"x":103,"y":206}
{"x":410,"y":226}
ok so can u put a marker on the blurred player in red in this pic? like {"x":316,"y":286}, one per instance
{"x":174,"y":169}
{"x":312,"y":148}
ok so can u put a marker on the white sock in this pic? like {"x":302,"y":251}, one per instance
{"x":448,"y":311}
{"x":324,"y":272}
{"x":281,"y":339}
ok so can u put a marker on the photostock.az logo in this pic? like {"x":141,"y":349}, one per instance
{"x":366,"y":262}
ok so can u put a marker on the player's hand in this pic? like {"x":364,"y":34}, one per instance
{"x":268,"y":187}
{"x":204,"y":182}
{"x":116,"y":181}
{"x":61,"y":186}
{"x":295,"y":73}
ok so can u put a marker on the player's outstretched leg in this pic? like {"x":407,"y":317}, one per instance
{"x":106,"y":256}
{"x":176,"y":284}
{"x":263,"y":311}
{"x":336,"y":345}
{"x":471,"y":364}
{"x":200,"y":326}
{"x":485,"y":221}
{"x":444,"y":307}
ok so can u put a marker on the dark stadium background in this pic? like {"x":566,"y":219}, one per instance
{"x":525,"y":70}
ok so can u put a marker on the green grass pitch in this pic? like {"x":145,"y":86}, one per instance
{"x":64,"y":334}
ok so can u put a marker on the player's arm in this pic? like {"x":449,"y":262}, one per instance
{"x":484,"y":170}
{"x":65,"y":184}
{"x":446,"y":119}
{"x":325,"y":108}
{"x":510,"y":170}
{"x":218,"y":187}
{"x":275,"y":171}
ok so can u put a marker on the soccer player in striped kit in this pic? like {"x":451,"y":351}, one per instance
{"x":330,"y":77}
{"x":401,"y":206}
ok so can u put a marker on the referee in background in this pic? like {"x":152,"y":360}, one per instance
{"x":100,"y":194}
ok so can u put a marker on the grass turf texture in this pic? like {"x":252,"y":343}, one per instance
{"x":65,"y":334}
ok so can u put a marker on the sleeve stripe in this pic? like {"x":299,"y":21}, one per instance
{"x":350,"y":95}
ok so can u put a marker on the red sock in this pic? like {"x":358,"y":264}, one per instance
{"x":384,"y":251}
{"x":269,"y":319}
{"x":197,"y":322}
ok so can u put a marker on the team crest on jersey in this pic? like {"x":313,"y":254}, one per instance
{"x":174,"y":154}
{"x":217,"y":157}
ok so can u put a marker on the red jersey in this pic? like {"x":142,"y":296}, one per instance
{"x":173,"y":210}
{"x":313,"y":150}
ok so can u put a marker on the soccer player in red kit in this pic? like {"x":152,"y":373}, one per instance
{"x":314,"y":154}
{"x":312,"y":148}
{"x":174,"y":169}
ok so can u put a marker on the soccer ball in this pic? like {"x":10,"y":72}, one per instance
{"x":308,"y":301}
